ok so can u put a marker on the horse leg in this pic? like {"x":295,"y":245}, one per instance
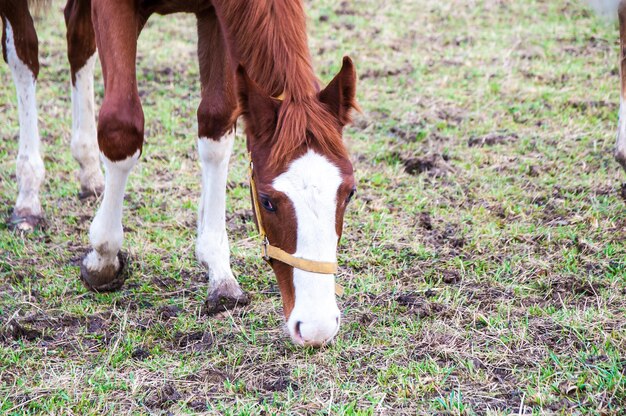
{"x":620,"y":146}
{"x":20,"y":50}
{"x":216,"y":118}
{"x":81,"y":52}
{"x":120,"y":138}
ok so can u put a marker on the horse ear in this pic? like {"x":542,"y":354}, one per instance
{"x":258,"y":109}
{"x":340,"y":93}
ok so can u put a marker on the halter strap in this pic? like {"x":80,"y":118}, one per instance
{"x":269,"y":252}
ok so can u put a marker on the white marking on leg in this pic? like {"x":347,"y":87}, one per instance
{"x":84,"y":134}
{"x":30,"y":168}
{"x":620,"y":145}
{"x":106,"y":234}
{"x":311,"y":183}
{"x":212,"y":249}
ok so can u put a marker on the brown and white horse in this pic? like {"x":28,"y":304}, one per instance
{"x":250,"y":52}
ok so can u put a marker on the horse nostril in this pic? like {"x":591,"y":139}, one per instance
{"x":297,"y":329}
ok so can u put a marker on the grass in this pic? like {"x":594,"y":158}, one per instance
{"x":483,"y":258}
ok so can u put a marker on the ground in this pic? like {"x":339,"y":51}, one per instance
{"x":483,"y":257}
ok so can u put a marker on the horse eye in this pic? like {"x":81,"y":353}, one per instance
{"x":267,"y":204}
{"x":351,"y":195}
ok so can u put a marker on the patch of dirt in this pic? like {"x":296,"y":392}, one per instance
{"x":198,"y":405}
{"x":407,"y":133}
{"x":366,"y":319}
{"x":434,"y":165}
{"x":451,"y":115}
{"x":209,"y":377}
{"x":163,"y":398}
{"x":63,"y":332}
{"x":194,"y":341}
{"x":278,"y":381}
{"x":16,"y":331}
{"x":425,"y":221}
{"x":553,"y":215}
{"x":165,"y":283}
{"x":141,"y":354}
{"x":131,"y":304}
{"x":442,"y":346}
{"x":418,"y":305}
{"x":168,"y":312}
{"x":387,"y":72}
{"x":450,"y":277}
{"x":450,"y":236}
{"x":593,"y":45}
{"x":49,"y":327}
{"x":533,"y":171}
{"x":507,"y":400}
{"x":554,"y":336}
{"x":96,"y":324}
{"x":345,"y":8}
{"x":562,"y":288}
{"x":585,"y":105}
{"x":492,"y":139}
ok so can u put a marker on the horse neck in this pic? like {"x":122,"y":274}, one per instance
{"x":269,"y":38}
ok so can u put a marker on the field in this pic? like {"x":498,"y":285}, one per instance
{"x":484,"y":257}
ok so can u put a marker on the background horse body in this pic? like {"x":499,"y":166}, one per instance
{"x":612,"y":8}
{"x":302,"y":173}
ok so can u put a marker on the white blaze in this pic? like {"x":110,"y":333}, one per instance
{"x":311,"y":183}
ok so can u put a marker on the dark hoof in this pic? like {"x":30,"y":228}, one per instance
{"x":25,"y":223}
{"x":107,"y":279}
{"x":90,"y":193}
{"x":225,"y":296}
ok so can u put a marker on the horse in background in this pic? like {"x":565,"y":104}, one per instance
{"x":254,"y":61}
{"x":20,"y":51}
{"x":610,"y":9}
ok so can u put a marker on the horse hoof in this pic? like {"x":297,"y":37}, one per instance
{"x":88,"y":193}
{"x":107,"y":279}
{"x":25,"y":223}
{"x":224,"y":296}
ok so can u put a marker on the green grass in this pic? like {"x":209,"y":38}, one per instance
{"x":493,"y":282}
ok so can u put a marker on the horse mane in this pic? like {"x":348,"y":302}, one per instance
{"x":305,"y":122}
{"x":268,"y":37}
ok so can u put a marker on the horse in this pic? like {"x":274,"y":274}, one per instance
{"x":255,"y":62}
{"x":611,"y":9}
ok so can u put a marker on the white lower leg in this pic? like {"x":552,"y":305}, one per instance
{"x":106,"y":234}
{"x":620,"y":145}
{"x":212,"y":247}
{"x":30,"y":168}
{"x":84,"y":134}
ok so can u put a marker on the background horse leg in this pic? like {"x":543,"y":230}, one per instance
{"x":81,"y":52}
{"x":216,"y":118}
{"x":20,"y":49}
{"x":120,"y":137}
